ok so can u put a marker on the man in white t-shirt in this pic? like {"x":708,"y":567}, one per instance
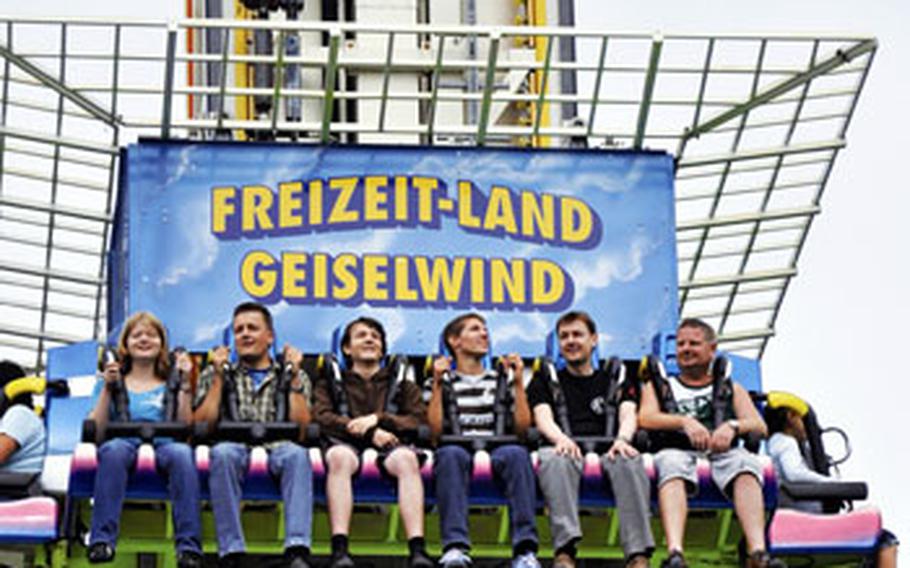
{"x":737,"y":472}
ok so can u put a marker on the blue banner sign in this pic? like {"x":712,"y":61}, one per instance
{"x":413,"y":236}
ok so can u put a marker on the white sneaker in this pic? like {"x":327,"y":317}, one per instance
{"x":526,"y":560}
{"x":455,"y":558}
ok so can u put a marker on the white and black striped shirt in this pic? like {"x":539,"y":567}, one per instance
{"x":476,"y":396}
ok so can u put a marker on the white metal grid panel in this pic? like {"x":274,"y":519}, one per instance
{"x":755,"y":123}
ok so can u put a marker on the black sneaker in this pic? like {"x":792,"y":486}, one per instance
{"x":420,"y":559}
{"x":675,"y":560}
{"x":341,"y":560}
{"x":189,"y":559}
{"x":297,"y":557}
{"x":100,"y":552}
{"x":761,"y":559}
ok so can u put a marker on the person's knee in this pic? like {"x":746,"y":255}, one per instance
{"x":223,"y":456}
{"x":511,"y":454}
{"x":453,"y":455}
{"x":553,"y":463}
{"x":402,"y":462}
{"x":181,"y":453}
{"x":673,"y":486}
{"x":341,"y":460}
{"x":746,"y":481}
{"x":180,"y":457}
{"x":115,"y":451}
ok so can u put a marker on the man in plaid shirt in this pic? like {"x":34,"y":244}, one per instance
{"x":256,"y":376}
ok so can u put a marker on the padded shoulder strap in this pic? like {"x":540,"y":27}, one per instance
{"x":230,"y":398}
{"x":450,"y":406}
{"x":282,"y":389}
{"x":616,"y":373}
{"x":819,"y":458}
{"x":722,"y":390}
{"x":398,"y":368}
{"x":651,"y":369}
{"x":500,"y":408}
{"x":172,"y":387}
{"x":119,"y":396}
{"x":560,"y":407}
{"x":335,"y":380}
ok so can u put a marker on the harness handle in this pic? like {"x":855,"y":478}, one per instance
{"x":721,"y":368}
{"x":399,"y":367}
{"x":450,"y":405}
{"x":559,"y":398}
{"x":172,"y":385}
{"x":282,"y":390}
{"x":117,"y":388}
{"x":616,"y":372}
{"x":500,"y":411}
{"x":230,"y":397}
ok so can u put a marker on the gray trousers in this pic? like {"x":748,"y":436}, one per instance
{"x":560,"y":477}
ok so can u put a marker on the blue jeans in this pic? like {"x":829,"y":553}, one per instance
{"x":511,"y":469}
{"x":289,"y":463}
{"x":116,"y":458}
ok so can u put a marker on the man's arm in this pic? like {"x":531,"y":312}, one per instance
{"x":784,"y":450}
{"x":8,"y":446}
{"x":650,"y":417}
{"x":747,"y":421}
{"x":434,"y":408}
{"x":522,"y":413}
{"x":628,"y":421}
{"x":298,"y":394}
{"x":746,"y":413}
{"x":563,"y":444}
{"x":209,"y":410}
{"x":628,"y":424}
{"x":543,"y":419}
{"x":298,"y":405}
{"x":19,"y":426}
{"x":184,"y":393}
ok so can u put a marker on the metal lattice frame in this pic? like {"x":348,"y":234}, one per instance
{"x":755,"y":122}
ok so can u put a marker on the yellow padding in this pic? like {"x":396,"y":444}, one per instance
{"x":34,"y":385}
{"x":643,"y":368}
{"x":781,"y":399}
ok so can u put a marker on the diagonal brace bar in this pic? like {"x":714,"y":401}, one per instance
{"x":841,"y":57}
{"x":488,"y":89}
{"x":52,"y":83}
{"x":648,"y":93}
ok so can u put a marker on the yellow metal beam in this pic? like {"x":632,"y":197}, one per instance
{"x":537,"y":10}
{"x":243,"y":105}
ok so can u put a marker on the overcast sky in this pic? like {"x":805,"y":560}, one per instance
{"x":839,"y":337}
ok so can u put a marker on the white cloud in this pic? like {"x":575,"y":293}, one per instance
{"x":200,"y":252}
{"x":596,"y":275}
{"x":208,"y":332}
{"x":183,"y":166}
{"x":531,"y":327}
